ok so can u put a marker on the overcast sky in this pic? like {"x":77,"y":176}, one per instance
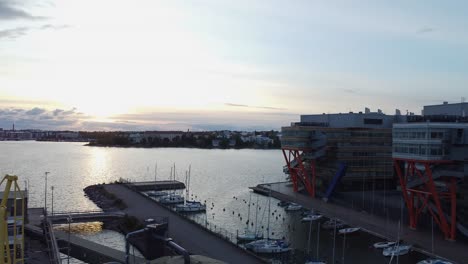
{"x":220,"y":64}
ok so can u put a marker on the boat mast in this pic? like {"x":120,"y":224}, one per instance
{"x":268,"y":226}
{"x":248,"y":213}
{"x":256,"y":213}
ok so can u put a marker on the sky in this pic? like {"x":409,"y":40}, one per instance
{"x":224,"y":64}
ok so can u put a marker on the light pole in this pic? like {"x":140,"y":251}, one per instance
{"x":45,"y":194}
{"x":69,"y":220}
{"x":52,"y":189}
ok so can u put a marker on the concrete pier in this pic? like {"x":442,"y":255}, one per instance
{"x":455,"y":251}
{"x":184,"y":232}
{"x":157,"y":185}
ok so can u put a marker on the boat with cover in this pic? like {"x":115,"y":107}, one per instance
{"x":268,"y":246}
{"x":293,"y":207}
{"x":312,"y":217}
{"x":434,"y":261}
{"x":190,"y":206}
{"x":396,"y":250}
{"x":157,"y":193}
{"x":349,"y":230}
{"x":171,"y":199}
{"x":385,"y":244}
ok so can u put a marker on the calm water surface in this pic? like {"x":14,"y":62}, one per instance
{"x":217,"y":177}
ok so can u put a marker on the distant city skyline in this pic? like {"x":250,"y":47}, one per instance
{"x":213,"y":65}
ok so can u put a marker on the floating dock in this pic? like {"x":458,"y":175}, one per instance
{"x":454,"y":250}
{"x":156,"y":185}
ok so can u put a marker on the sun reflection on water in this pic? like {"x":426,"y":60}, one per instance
{"x":81,"y":228}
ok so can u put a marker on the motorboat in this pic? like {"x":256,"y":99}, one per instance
{"x":190,"y":206}
{"x":312,"y":217}
{"x":386,"y":244}
{"x":396,"y":250}
{"x":268,"y":246}
{"x":434,"y":261}
{"x":331,"y":224}
{"x":157,"y":193}
{"x":249,"y":236}
{"x":349,"y":230}
{"x":171,"y":199}
{"x":293,"y":207}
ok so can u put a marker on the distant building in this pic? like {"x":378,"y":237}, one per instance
{"x":162,"y":135}
{"x":457,"y":109}
{"x":362,"y":141}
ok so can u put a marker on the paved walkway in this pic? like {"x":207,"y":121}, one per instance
{"x":455,"y":251}
{"x":185,"y":233}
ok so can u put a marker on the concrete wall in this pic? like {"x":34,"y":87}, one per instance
{"x":460,"y":109}
{"x":350,"y":120}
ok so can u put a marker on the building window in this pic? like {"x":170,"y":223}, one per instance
{"x":373,"y":121}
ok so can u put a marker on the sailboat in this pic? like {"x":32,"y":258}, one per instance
{"x":249,"y":235}
{"x":172,"y":198}
{"x":434,"y":261}
{"x":189,"y":206}
{"x":269,"y":245}
{"x":155,"y":193}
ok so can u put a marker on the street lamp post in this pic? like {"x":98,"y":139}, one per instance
{"x":45,"y":194}
{"x":52,"y":189}
{"x":69,"y":220}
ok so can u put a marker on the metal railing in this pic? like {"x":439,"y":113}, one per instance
{"x":54,"y":252}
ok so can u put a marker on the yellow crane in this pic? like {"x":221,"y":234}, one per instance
{"x":13,"y":243}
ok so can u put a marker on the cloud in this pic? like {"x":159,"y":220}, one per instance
{"x":35,"y":111}
{"x":41,"y":118}
{"x":425,"y":30}
{"x":14,"y":32}
{"x":352,"y":91}
{"x":255,"y":107}
{"x":72,"y":119}
{"x":54,"y":27}
{"x":8,"y":11}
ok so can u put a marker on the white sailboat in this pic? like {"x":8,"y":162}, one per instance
{"x":293,"y":207}
{"x":268,"y":245}
{"x":434,"y":261}
{"x":172,"y":198}
{"x":155,"y":193}
{"x":248,"y":235}
{"x":189,"y":206}
{"x":349,"y":230}
{"x":311,"y":218}
{"x":386,"y":244}
{"x":396,"y":250}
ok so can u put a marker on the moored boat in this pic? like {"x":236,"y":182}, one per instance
{"x":157,"y":193}
{"x":385,"y":244}
{"x":171,"y":199}
{"x":268,"y":246}
{"x":249,"y":236}
{"x":396,"y":250}
{"x":349,"y":230}
{"x":434,"y":261}
{"x":293,"y":207}
{"x":312,"y":217}
{"x":190,"y":206}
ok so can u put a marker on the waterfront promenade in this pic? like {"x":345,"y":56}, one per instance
{"x":184,"y":232}
{"x":455,"y":251}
